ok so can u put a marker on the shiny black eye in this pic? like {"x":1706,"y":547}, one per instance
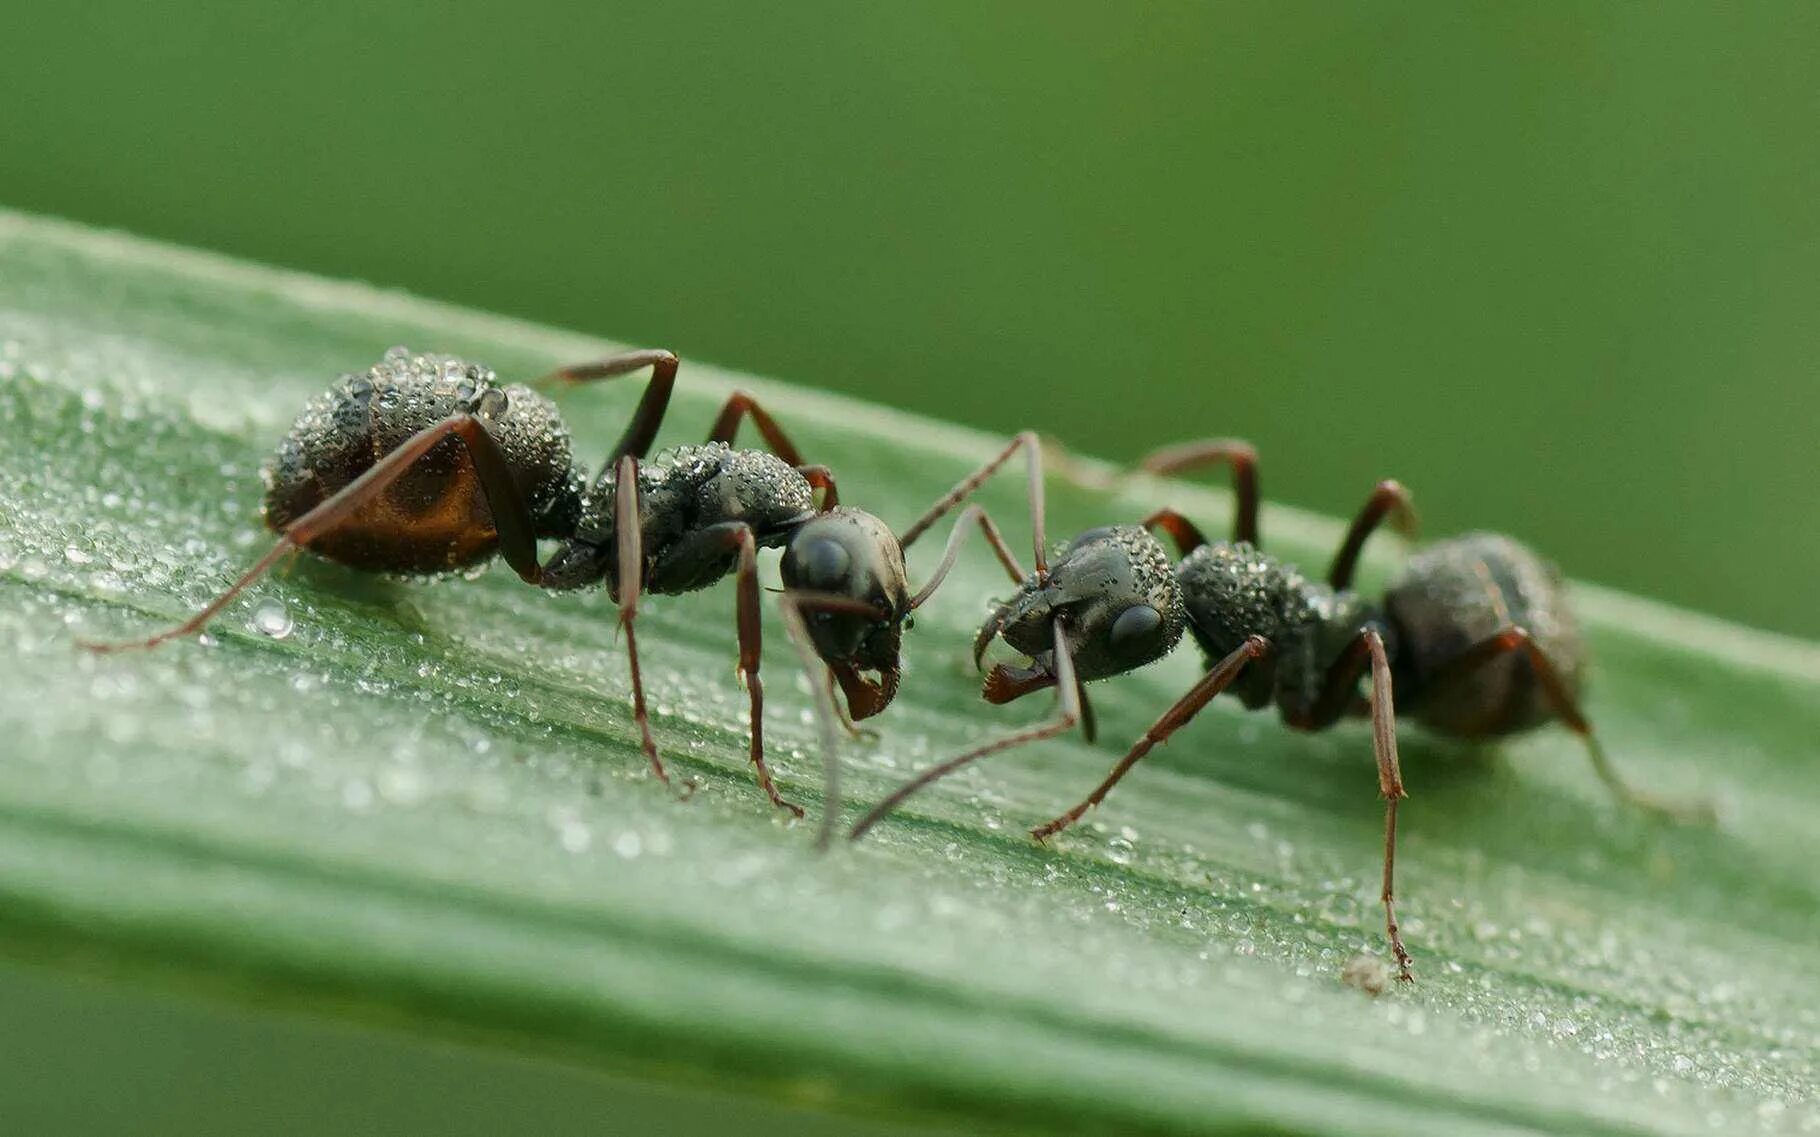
{"x":822,"y":563}
{"x":1135,"y":630}
{"x":909,"y":622}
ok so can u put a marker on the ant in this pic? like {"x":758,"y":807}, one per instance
{"x":1474,"y":639}
{"x":426,"y":464}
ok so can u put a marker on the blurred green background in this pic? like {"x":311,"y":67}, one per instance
{"x":1554,"y":266}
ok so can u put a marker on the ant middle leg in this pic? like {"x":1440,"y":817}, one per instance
{"x":1241,"y":456}
{"x":1172,"y":720}
{"x":1336,"y":697}
{"x":1515,"y":637}
{"x":631,"y":565}
{"x":1388,"y":499}
{"x":506,"y":501}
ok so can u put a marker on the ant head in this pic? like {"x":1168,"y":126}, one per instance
{"x":1114,"y":591}
{"x":849,"y":555}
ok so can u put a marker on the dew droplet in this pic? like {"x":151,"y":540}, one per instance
{"x":272,"y":618}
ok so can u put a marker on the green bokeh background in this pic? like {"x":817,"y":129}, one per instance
{"x":1554,"y":266}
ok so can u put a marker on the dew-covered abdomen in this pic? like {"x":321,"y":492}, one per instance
{"x":434,"y":517}
{"x":1461,"y":592}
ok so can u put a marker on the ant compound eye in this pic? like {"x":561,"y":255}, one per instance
{"x":1135,"y":630}
{"x":823,"y":564}
{"x":909,"y":623}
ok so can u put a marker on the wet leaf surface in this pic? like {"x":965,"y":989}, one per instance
{"x":423,"y":804}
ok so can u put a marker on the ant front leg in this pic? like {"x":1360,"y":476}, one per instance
{"x":751,"y":635}
{"x":1240,"y":455}
{"x":1389,"y":499}
{"x":1031,"y":444}
{"x":1186,"y":535}
{"x":1517,"y":638}
{"x":1176,"y":717}
{"x":742,"y":405}
{"x":505,"y":500}
{"x":685,"y":560}
{"x":649,"y":415}
{"x":1068,"y":714}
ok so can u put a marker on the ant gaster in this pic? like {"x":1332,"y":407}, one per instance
{"x":426,"y":464}
{"x":1473,"y":639}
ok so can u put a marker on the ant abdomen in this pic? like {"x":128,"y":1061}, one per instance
{"x":1465,"y":592}
{"x":434,"y":516}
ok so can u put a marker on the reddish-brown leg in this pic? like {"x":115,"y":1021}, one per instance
{"x":642,"y":430}
{"x":1068,"y":713}
{"x":1033,"y":453}
{"x":751,"y":640}
{"x":630,"y":544}
{"x":511,"y":516}
{"x":740,"y":406}
{"x":1517,"y":638}
{"x":1240,"y":455}
{"x":1183,"y":532}
{"x":1176,"y":717}
{"x":821,"y":478}
{"x":1389,"y":499}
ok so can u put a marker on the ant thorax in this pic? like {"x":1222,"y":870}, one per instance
{"x":1234,"y":590}
{"x":681,"y":493}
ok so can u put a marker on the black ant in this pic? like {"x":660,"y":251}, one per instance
{"x":427,"y":464}
{"x":1474,"y":636}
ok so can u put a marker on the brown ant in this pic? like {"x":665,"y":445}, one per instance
{"x":426,"y":464}
{"x":1474,"y":638}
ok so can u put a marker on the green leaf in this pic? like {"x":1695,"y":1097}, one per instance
{"x":425,"y":804}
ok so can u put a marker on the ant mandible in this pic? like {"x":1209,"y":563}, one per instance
{"x":426,"y":464}
{"x":1473,"y":639}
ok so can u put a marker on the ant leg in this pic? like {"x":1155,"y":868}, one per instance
{"x":751,"y":636}
{"x":1337,"y":695}
{"x":1033,"y":453}
{"x":743,"y":405}
{"x":827,"y":712}
{"x":649,"y":415}
{"x":1186,"y":535}
{"x":1240,"y":455}
{"x":821,"y":478}
{"x":1068,"y":713}
{"x":1517,"y":638}
{"x":1390,"y":784}
{"x":1176,"y":717}
{"x":1389,"y":499}
{"x":629,"y":538}
{"x":953,"y":549}
{"x":511,"y":516}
